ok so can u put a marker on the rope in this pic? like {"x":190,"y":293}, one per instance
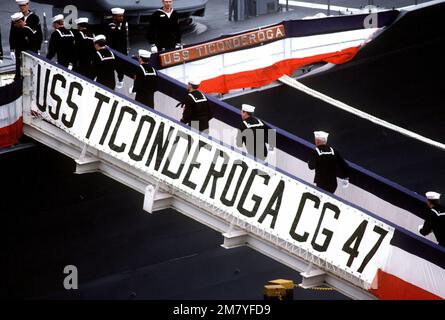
{"x":316,"y":288}
{"x":336,"y":103}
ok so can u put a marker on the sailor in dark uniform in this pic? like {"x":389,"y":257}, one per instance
{"x":24,"y":39}
{"x":1,"y":48}
{"x":164,"y":30}
{"x":328,"y":164}
{"x":61,"y":43}
{"x":104,"y":63}
{"x":84,"y":42}
{"x":197,"y":112}
{"x":253,"y":133}
{"x":117,"y":38}
{"x":33,"y":22}
{"x":435,"y":220}
{"x":145,"y":80}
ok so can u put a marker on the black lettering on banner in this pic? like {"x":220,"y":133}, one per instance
{"x":166,"y":171}
{"x":108,"y":124}
{"x":159,"y":145}
{"x":256,"y":199}
{"x":42,"y":107}
{"x":237,"y":163}
{"x":306,"y":196}
{"x":101,"y":99}
{"x":326,"y":232}
{"x":144,"y":119}
{"x":57,"y":77}
{"x":74,"y":85}
{"x":195,"y":164}
{"x":111,"y":143}
{"x":356,"y":238}
{"x":382,"y":232}
{"x":214,"y":173}
{"x":277,"y":196}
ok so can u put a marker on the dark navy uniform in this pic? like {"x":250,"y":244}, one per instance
{"x":435,"y":222}
{"x":145,"y":84}
{"x":1,"y":47}
{"x":84,"y":42}
{"x":117,"y":39}
{"x":33,"y":22}
{"x":258,"y":130}
{"x":62,"y":45}
{"x":24,"y":39}
{"x":164,"y":29}
{"x":104,"y":65}
{"x":196,"y":108}
{"x":328,"y":164}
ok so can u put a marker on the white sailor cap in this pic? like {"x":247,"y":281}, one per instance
{"x":22,"y":2}
{"x":117,"y":11}
{"x":59,"y":17}
{"x":81,"y":20}
{"x":321,"y":135}
{"x":431,"y":195}
{"x":144,"y":53}
{"x":248,"y":108}
{"x":99,"y":37}
{"x":194,"y":81}
{"x":17,"y":16}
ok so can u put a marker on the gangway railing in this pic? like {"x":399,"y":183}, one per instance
{"x":390,"y":201}
{"x":377,"y":194}
{"x":250,"y":202}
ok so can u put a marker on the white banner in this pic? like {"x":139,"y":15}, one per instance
{"x":335,"y":232}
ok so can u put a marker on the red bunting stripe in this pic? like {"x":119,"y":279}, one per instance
{"x":259,"y":77}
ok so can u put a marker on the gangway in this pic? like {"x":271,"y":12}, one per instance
{"x":328,"y":239}
{"x":362,"y":240}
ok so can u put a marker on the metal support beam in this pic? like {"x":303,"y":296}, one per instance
{"x":86,"y":164}
{"x":234,"y":238}
{"x":312,"y":277}
{"x":155,"y":200}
